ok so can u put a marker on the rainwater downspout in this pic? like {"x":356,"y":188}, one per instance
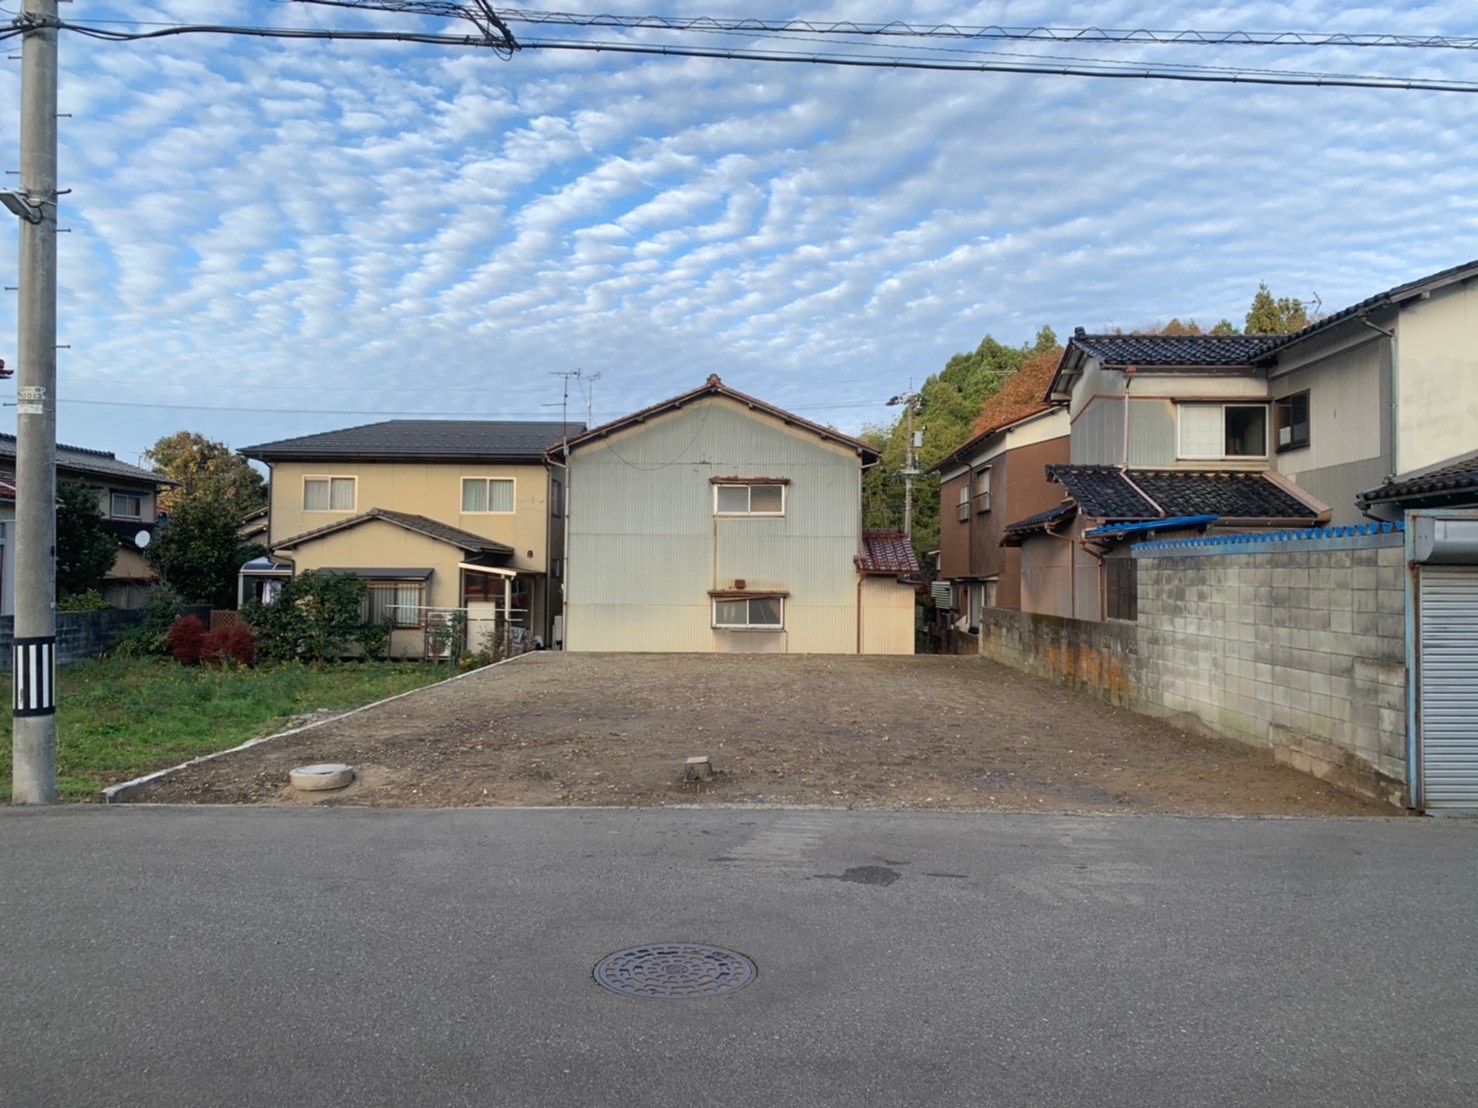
{"x":859,"y":609}
{"x":1128,"y":380}
{"x":1391,"y":383}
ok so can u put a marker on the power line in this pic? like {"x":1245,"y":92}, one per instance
{"x":899,"y":29}
{"x":504,"y":47}
{"x":1046,"y":68}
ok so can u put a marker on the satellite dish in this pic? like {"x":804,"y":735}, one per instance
{"x":141,"y":540}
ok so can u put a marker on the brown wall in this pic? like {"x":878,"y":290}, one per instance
{"x":1019,"y":488}
{"x":954,"y":536}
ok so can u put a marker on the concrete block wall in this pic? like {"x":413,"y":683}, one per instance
{"x":78,"y":634}
{"x":1296,"y":645}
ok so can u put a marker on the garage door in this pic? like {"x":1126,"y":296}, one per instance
{"x":1448,"y":689}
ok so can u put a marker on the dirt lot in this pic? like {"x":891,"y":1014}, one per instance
{"x":872,"y":732}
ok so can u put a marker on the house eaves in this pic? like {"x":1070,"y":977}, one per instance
{"x":714,"y":386}
{"x":1184,"y":354}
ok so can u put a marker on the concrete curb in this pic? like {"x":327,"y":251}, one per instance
{"x":125,"y":791}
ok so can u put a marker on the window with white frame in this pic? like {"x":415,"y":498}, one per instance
{"x":1217,"y":432}
{"x":963,"y":513}
{"x":760,"y":499}
{"x":556,"y":497}
{"x":126,"y":505}
{"x":487,"y":494}
{"x":328,"y":494}
{"x":749,"y":613}
{"x":982,"y":489}
{"x":397,"y":603}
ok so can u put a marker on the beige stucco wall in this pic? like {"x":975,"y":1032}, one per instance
{"x":378,"y":544}
{"x":1437,"y":378}
{"x":887,"y":616}
{"x":426,"y":489}
{"x":645,"y":546}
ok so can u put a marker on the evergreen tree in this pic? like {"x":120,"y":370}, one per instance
{"x":85,"y":551}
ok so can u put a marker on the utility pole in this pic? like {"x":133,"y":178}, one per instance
{"x":910,"y":400}
{"x":33,"y":657}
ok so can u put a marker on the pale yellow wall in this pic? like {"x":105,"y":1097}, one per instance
{"x":378,"y":544}
{"x":433,"y":490}
{"x":1437,"y":378}
{"x":887,"y":616}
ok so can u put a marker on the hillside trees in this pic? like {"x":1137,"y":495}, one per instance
{"x":948,"y":404}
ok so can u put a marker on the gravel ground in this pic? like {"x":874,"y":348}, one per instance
{"x":793,"y":730}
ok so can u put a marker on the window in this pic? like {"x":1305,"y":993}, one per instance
{"x":556,"y":497}
{"x":1292,"y":413}
{"x":487,"y":494}
{"x":328,"y":494}
{"x":751,"y":613}
{"x":127,"y":505}
{"x":982,"y":489}
{"x":395,"y":602}
{"x":964,"y":510}
{"x":749,"y":500}
{"x":1217,"y":431}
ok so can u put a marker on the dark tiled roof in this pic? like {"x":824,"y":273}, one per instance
{"x":1379,"y":300}
{"x":1452,"y":481}
{"x":79,"y":459}
{"x":887,"y":552}
{"x":1041,"y":521}
{"x":431,"y":528}
{"x":1107,"y":492}
{"x":715,"y":386}
{"x":432,"y":439}
{"x":1173,"y":350}
{"x":1102,"y":492}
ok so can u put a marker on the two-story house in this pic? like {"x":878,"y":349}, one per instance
{"x":1171,"y":434}
{"x":998,"y":476}
{"x":437,"y":515}
{"x":127,"y":497}
{"x":715,"y":522}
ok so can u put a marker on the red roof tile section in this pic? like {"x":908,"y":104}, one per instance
{"x":887,"y":553}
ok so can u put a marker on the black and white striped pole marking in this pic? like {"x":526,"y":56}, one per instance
{"x":33,"y":663}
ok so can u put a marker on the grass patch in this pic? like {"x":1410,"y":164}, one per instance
{"x":118,"y":718}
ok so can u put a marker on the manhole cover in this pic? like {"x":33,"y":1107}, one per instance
{"x":674,"y":971}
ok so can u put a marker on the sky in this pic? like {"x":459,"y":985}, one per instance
{"x":270,"y":238}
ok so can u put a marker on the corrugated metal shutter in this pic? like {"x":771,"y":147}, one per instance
{"x":1449,"y":687}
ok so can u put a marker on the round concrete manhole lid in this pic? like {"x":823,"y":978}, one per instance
{"x":674,"y":971}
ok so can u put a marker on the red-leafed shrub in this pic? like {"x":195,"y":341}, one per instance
{"x":186,"y":637}
{"x":234,"y":643}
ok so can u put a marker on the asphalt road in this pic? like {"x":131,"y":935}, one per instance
{"x":339,"y":957}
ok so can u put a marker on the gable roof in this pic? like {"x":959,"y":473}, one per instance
{"x":1111,"y":493}
{"x":887,"y":553}
{"x":714,"y":386}
{"x":443,"y":440}
{"x":1171,"y":350}
{"x":94,"y":463}
{"x":1392,"y":296}
{"x":1020,"y":397}
{"x":1452,"y":483}
{"x":431,"y":528}
{"x":1203,"y":352}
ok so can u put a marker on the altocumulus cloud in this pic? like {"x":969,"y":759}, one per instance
{"x":334,"y":228}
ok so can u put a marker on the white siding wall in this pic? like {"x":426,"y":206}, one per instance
{"x":1437,"y":378}
{"x":645,"y":547}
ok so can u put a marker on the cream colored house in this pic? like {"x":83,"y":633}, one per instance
{"x":714,"y":522}
{"x":437,"y":516}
